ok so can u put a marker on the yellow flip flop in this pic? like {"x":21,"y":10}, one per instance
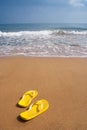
{"x":27,"y":98}
{"x":35,"y":110}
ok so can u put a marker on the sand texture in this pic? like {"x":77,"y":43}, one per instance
{"x":62,"y":81}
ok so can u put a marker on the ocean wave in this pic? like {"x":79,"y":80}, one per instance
{"x":69,"y":32}
{"x":44,"y":43}
{"x":42,"y":32}
{"x":22,"y":33}
{"x":55,"y":40}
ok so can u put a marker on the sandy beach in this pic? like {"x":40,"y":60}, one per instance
{"x":62,"y":81}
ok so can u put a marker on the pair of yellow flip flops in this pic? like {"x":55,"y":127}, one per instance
{"x":35,"y":109}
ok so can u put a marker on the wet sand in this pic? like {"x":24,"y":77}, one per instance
{"x":62,"y":81}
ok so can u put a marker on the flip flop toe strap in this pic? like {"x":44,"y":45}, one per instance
{"x":39,"y":106}
{"x":32,"y":94}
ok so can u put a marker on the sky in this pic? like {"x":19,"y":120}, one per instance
{"x":43,"y":11}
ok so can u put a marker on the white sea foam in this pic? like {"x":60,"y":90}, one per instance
{"x":44,"y":32}
{"x":55,"y":43}
{"x":69,"y":32}
{"x":22,"y":33}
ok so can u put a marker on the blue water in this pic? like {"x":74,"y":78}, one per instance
{"x":49,"y":40}
{"x":40,"y":26}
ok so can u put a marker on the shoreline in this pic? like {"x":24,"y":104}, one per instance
{"x":23,"y":56}
{"x":62,"y":81}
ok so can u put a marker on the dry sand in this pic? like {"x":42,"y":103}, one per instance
{"x":62,"y":81}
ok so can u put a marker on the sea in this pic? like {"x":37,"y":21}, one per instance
{"x":43,"y":40}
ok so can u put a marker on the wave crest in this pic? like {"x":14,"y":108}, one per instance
{"x":69,"y":32}
{"x":20,"y":33}
{"x":43,"y":32}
